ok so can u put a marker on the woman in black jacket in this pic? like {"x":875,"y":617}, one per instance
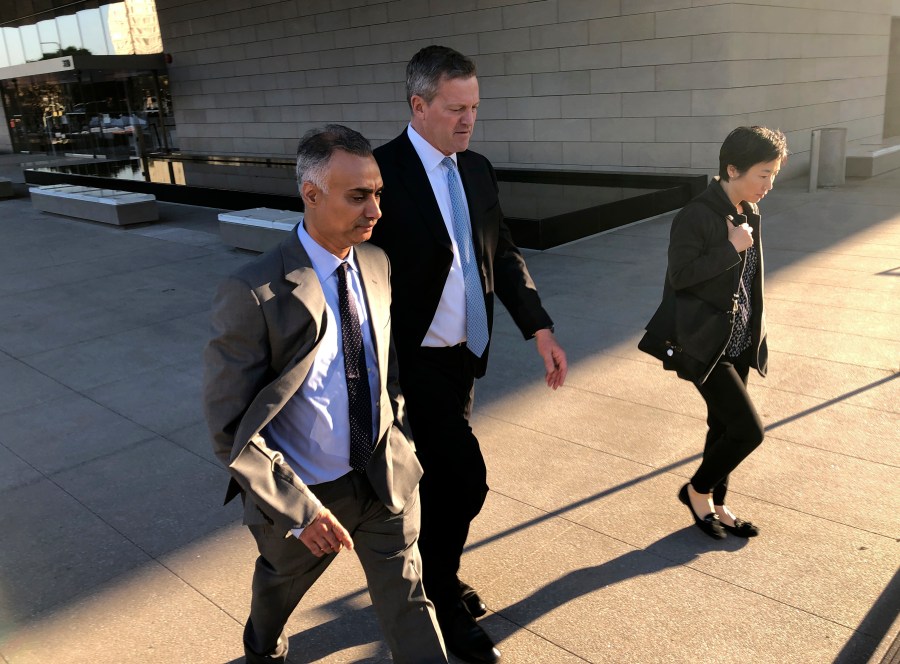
{"x":715,"y":254}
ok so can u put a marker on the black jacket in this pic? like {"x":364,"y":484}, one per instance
{"x":413,"y":234}
{"x":704,"y":263}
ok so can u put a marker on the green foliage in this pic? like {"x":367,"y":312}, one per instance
{"x":68,"y":50}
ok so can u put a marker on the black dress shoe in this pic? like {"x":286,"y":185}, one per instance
{"x":465,"y":638}
{"x":742,"y":528}
{"x":710,"y":524}
{"x":470,"y":598}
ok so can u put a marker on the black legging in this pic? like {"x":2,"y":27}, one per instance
{"x":735,"y":429}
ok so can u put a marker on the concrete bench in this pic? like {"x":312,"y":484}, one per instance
{"x":6,"y":188}
{"x":865,"y":161}
{"x":104,"y":205}
{"x":258,"y":229}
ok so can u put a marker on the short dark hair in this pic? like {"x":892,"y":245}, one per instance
{"x":747,"y":146}
{"x":318,"y":145}
{"x":432,"y":64}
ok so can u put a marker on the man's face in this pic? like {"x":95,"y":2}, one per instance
{"x":345,"y":213}
{"x":447,"y":122}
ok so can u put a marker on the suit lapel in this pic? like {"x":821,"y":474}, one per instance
{"x":294,"y":369}
{"x":418,"y":187}
{"x":377,"y":299}
{"x":298,"y":270}
{"x":466,"y":170}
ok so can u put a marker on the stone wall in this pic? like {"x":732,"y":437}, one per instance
{"x":648,"y":85}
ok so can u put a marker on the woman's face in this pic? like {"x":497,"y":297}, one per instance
{"x":754,"y":183}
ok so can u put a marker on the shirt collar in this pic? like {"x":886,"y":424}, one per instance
{"x":323,"y":261}
{"x":430,"y":156}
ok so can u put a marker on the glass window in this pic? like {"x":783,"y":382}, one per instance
{"x":13,"y":40}
{"x":120,"y":28}
{"x":93,"y":33}
{"x":31,"y":43}
{"x":4,"y":58}
{"x":49,"y":38}
{"x":69,"y":34}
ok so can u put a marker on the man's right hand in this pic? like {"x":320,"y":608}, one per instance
{"x":326,"y":535}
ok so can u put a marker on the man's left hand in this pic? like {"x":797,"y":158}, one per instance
{"x":554,"y":358}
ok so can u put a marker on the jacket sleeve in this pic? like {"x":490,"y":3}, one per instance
{"x":237,"y":368}
{"x":236,"y":362}
{"x":699,"y":249}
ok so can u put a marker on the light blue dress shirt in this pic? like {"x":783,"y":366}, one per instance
{"x":313,"y":428}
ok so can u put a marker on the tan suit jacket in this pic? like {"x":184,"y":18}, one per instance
{"x":268,"y":320}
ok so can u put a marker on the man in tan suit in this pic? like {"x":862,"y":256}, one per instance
{"x":304,"y":408}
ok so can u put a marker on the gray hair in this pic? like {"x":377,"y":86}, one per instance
{"x":318,"y":145}
{"x":430,"y":66}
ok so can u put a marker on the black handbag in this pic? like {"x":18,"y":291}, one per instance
{"x":688,"y":335}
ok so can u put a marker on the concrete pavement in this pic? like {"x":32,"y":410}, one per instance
{"x":116,"y":547}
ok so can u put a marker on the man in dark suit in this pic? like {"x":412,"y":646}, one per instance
{"x":450,"y":251}
{"x":304,"y":408}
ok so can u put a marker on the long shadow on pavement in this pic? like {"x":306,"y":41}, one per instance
{"x":674,"y":550}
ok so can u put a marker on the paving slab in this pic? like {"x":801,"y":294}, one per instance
{"x":60,"y":550}
{"x":831,"y":318}
{"x":835,"y":347}
{"x":836,"y":424}
{"x":810,"y":479}
{"x":185,"y":490}
{"x":848,"y":383}
{"x":163,"y":400}
{"x":121,"y":355}
{"x":23,"y":386}
{"x":582,"y":552}
{"x":195,"y":439}
{"x":850,"y":299}
{"x":15,"y":471}
{"x":587,"y":592}
{"x":67,"y":431}
{"x":156,"y":615}
{"x":54,"y":321}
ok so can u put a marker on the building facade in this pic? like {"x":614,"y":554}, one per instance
{"x":642,"y":85}
{"x":618,"y":85}
{"x":83,"y":77}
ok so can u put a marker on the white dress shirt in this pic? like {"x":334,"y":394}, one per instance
{"x":448,"y":328}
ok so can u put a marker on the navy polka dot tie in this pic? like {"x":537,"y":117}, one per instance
{"x":359,"y":396}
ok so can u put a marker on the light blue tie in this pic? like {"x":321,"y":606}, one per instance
{"x":476,"y":318}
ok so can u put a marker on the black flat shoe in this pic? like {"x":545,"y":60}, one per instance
{"x":742,"y":528}
{"x":472,"y":600}
{"x":710,"y":524}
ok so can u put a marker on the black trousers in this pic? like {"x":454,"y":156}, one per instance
{"x":438,"y":385}
{"x":735,"y":429}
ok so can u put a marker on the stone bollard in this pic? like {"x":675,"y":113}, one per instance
{"x":827,"y":157}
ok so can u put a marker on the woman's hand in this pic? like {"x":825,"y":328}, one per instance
{"x":741,"y":237}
